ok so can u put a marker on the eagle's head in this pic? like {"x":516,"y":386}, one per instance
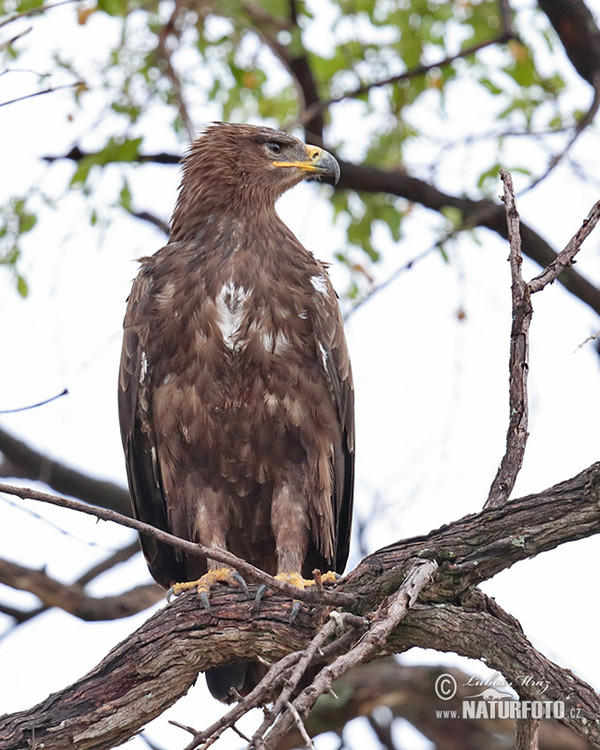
{"x":233,"y":167}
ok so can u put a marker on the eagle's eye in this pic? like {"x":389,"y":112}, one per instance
{"x":274,"y":147}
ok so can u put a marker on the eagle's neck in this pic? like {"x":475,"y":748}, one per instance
{"x":201,"y":213}
{"x":228,"y":228}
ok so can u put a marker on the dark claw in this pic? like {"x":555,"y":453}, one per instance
{"x":295,"y":609}
{"x":243,"y":585}
{"x":260,"y":592}
{"x":204,"y":600}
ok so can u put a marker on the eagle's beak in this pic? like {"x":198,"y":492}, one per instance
{"x":320,"y":165}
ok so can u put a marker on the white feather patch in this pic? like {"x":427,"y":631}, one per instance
{"x":319,"y":283}
{"x":231,"y":304}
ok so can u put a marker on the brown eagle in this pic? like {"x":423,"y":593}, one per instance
{"x":235,"y":389}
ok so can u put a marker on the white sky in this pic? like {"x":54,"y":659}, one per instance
{"x":431,"y":390}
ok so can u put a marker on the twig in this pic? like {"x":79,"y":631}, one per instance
{"x":516,"y":436}
{"x":64,"y":392}
{"x":419,"y":70}
{"x":305,"y":658}
{"x":278,"y":673}
{"x":585,"y":121}
{"x":49,"y":90}
{"x":300,"y":725}
{"x":191,"y":548}
{"x":254,"y":698}
{"x":565,"y":258}
{"x":389,"y":616}
{"x":163,"y":52}
{"x":34,"y":11}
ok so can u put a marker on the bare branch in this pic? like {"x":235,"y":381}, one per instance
{"x":49,"y":400}
{"x":116,"y":558}
{"x":49,"y":90}
{"x":157,"y":664}
{"x":516,"y":436}
{"x":565,"y":258}
{"x":390,"y":613}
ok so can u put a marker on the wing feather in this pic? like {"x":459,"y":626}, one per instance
{"x":139,"y":440}
{"x":328,"y":328}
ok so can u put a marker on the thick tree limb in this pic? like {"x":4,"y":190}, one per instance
{"x":150,"y":670}
{"x":155,"y":666}
{"x":577,"y":30}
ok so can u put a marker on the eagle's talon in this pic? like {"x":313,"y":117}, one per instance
{"x":241,"y":582}
{"x":170,"y":596}
{"x":295,"y":609}
{"x":260,"y":592}
{"x":205,"y":600}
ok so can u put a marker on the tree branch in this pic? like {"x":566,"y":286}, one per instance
{"x":73,"y":599}
{"x":157,"y":664}
{"x":482,"y":213}
{"x":24,"y":462}
{"x":516,"y":436}
{"x":420,"y":70}
{"x":408,"y":692}
{"x":565,"y":258}
{"x":191,"y":548}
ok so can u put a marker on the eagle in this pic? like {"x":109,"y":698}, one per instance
{"x":235,"y":386}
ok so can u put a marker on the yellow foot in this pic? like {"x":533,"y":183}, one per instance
{"x":295,"y":579}
{"x":204,"y":584}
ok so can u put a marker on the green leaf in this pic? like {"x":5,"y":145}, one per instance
{"x":113,"y":7}
{"x":116,"y":150}
{"x":22,"y":286}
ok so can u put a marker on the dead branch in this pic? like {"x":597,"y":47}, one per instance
{"x":522,"y":312}
{"x":565,"y":258}
{"x":191,"y":548}
{"x":516,"y":436}
{"x":387,"y":618}
{"x":158,"y":663}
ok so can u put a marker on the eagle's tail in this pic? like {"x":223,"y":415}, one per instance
{"x":242,"y":677}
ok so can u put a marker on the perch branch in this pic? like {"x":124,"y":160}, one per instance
{"x":197,"y":550}
{"x":516,"y":436}
{"x":157,"y":664}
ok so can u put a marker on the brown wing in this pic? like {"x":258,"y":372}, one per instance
{"x":328,"y":328}
{"x":139,"y":439}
